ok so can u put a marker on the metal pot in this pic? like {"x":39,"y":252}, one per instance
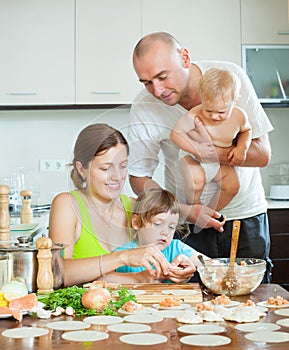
{"x":19,"y":260}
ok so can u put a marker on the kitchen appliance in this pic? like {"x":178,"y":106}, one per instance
{"x":19,"y":260}
{"x":279,"y":192}
{"x":279,"y":181}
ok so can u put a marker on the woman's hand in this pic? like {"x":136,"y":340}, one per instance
{"x":181,"y":269}
{"x":148,"y":256}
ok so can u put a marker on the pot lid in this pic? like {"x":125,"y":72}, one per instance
{"x":24,"y":244}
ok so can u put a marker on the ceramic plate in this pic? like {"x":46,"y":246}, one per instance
{"x":142,"y":318}
{"x":143,"y":339}
{"x":85,"y":336}
{"x":25,"y":332}
{"x":103,"y":320}
{"x":284,"y":322}
{"x":205,"y":340}
{"x":201,"y":329}
{"x":9,"y":315}
{"x":128,"y":328}
{"x":268,"y":337}
{"x":265,"y":303}
{"x":257,"y":327}
{"x":283,"y":312}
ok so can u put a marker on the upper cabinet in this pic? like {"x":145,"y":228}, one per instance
{"x":37,"y":52}
{"x":210,"y":29}
{"x":106,"y":33}
{"x":265,"y":21}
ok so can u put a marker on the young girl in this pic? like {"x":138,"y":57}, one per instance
{"x":155,"y":219}
{"x":227,"y":125}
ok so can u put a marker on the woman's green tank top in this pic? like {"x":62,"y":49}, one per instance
{"x":88,"y":244}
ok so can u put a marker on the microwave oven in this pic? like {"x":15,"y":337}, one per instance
{"x":267,"y":66}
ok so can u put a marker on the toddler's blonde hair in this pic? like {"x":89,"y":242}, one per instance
{"x":219,"y":83}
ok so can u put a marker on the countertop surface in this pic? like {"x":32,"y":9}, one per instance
{"x":277,"y":204}
{"x":167,"y":327}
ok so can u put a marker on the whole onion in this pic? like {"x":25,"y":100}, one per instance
{"x":96,"y":299}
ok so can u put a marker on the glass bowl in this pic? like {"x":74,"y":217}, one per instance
{"x":249,"y":273}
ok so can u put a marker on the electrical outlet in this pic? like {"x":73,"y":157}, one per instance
{"x":52,"y":165}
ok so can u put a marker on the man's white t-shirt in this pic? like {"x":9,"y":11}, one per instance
{"x":151,"y":122}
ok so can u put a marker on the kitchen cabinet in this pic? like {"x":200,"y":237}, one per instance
{"x":37,"y":52}
{"x":106,"y":33}
{"x":210,"y":29}
{"x":279,"y":233}
{"x":265,"y":21}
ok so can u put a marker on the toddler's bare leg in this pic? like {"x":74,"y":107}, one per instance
{"x":194,"y":177}
{"x":228,"y":182}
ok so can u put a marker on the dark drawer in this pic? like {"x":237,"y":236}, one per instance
{"x":278,"y":220}
{"x":279,"y":246}
{"x":280,"y":274}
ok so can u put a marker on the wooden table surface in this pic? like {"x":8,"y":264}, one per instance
{"x":167,"y":327}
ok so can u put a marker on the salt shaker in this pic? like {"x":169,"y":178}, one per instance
{"x":26,"y":213}
{"x":4,"y":213}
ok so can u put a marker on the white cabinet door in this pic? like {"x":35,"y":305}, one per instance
{"x":265,"y":21}
{"x":37,"y":52}
{"x":209,"y":28}
{"x":106,"y":32}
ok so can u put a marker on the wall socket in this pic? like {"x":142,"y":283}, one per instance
{"x":52,"y":165}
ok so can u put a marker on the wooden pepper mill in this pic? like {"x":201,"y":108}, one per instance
{"x":26,"y":213}
{"x":44,"y":279}
{"x":4,"y":213}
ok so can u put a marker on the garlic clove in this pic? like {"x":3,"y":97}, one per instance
{"x":58,"y":311}
{"x":69,"y":311}
{"x":41,"y":313}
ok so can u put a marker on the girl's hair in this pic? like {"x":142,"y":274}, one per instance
{"x":153,"y":202}
{"x":219,"y":83}
{"x":93,"y":140}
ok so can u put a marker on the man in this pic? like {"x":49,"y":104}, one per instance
{"x":172,"y":88}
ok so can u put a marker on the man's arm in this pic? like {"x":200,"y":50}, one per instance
{"x":258,"y":155}
{"x":198,"y":214}
{"x":139,"y":184}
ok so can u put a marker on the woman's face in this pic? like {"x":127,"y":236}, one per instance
{"x":107,"y":172}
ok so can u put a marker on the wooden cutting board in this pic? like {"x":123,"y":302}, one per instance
{"x":154,"y":292}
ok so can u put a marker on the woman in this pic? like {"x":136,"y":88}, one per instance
{"x":94,"y":219}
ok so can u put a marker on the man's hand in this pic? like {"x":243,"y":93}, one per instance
{"x":203,"y":217}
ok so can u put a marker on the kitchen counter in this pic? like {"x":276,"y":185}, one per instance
{"x":277,"y":204}
{"x":167,"y":327}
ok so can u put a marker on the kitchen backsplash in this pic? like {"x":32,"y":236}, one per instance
{"x":30,"y":136}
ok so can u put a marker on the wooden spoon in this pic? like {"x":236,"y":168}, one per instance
{"x":230,"y":281}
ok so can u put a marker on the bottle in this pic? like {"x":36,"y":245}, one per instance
{"x":4,"y":213}
{"x":26,"y":213}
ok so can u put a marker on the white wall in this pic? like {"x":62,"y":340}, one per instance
{"x":28,"y":136}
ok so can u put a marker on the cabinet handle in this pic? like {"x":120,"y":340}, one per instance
{"x":283,"y":33}
{"x":22,"y":93}
{"x":105,"y":92}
